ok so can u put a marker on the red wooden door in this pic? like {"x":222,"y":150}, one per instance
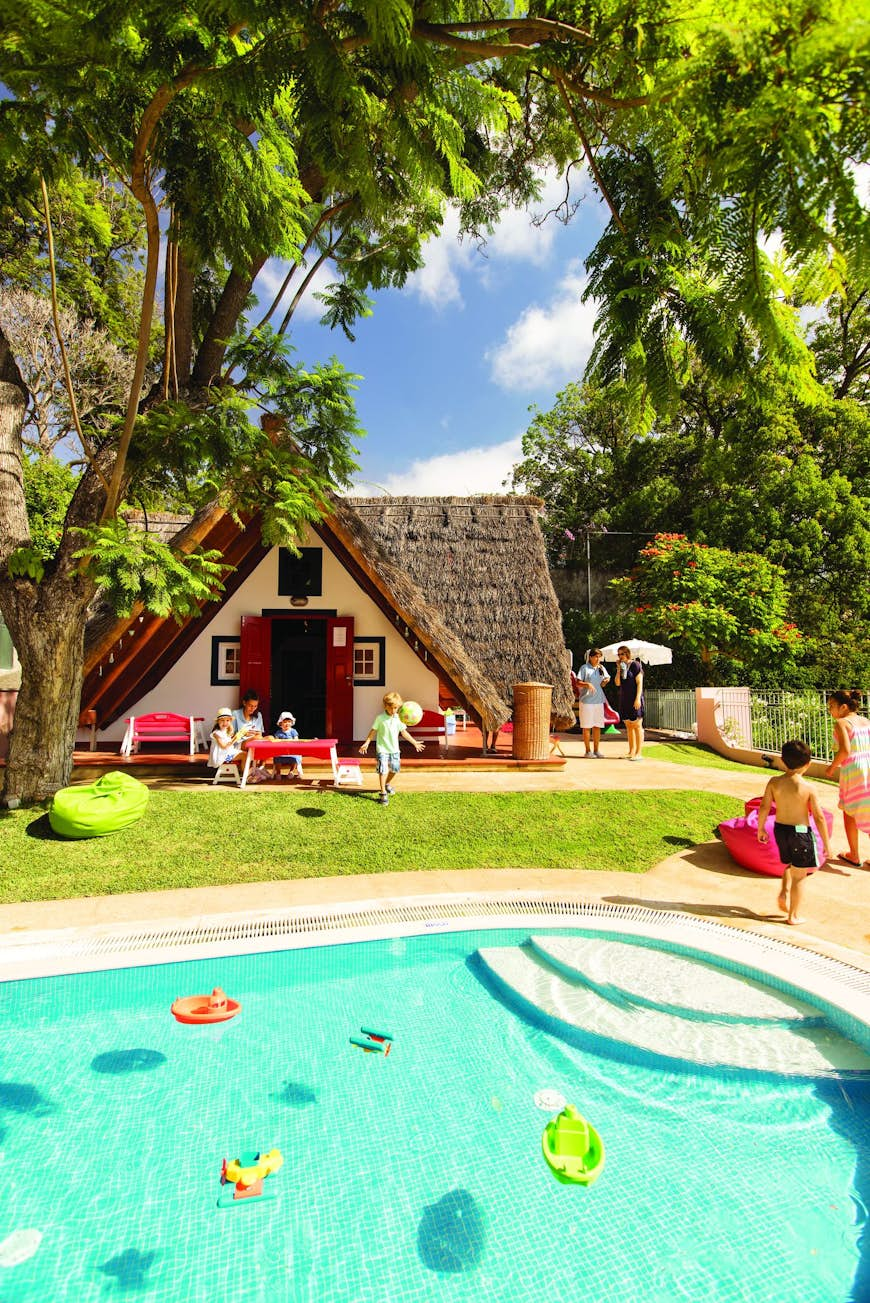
{"x":256,"y":658}
{"x":339,"y":678}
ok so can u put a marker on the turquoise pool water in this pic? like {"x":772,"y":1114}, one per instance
{"x":413,"y":1178}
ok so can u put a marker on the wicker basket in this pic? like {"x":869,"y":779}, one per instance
{"x":532,"y":707}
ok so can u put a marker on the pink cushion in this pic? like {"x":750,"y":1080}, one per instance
{"x":741,"y":837}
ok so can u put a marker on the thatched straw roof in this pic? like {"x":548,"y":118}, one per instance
{"x":481,"y":564}
{"x":414,"y":609}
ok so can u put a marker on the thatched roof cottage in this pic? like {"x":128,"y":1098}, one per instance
{"x":442,"y":599}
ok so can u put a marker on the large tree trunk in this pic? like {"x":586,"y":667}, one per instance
{"x":47,"y":623}
{"x":46,"y":619}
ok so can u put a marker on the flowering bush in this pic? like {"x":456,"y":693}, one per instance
{"x":723,"y":607}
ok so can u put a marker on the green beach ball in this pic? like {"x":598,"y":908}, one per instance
{"x":410,"y":713}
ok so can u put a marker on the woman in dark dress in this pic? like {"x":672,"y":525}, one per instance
{"x":629,"y":681}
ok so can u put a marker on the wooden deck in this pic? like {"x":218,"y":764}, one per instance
{"x":465,"y":752}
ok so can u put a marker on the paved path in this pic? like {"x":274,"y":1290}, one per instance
{"x":703,"y":880}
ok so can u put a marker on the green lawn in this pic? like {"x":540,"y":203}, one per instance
{"x":691,"y":753}
{"x":198,"y":839}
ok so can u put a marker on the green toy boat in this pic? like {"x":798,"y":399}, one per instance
{"x":111,"y":803}
{"x":573,"y":1149}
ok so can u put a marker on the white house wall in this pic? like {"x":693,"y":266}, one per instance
{"x":187,"y":689}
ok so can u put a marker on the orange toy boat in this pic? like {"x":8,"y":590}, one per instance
{"x":217,"y":1007}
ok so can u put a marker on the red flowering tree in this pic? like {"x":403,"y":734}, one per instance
{"x":726,"y":609}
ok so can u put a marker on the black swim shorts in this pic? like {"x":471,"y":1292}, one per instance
{"x":796,"y":846}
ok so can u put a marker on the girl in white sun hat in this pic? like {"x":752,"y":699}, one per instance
{"x":224,"y":744}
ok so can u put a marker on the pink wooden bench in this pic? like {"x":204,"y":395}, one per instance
{"x":161,"y":726}
{"x":432,"y":727}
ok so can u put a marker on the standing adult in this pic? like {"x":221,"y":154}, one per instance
{"x":590,"y":681}
{"x":852,"y":735}
{"x":629,"y":681}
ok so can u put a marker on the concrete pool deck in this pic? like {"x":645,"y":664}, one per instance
{"x":701,"y":881}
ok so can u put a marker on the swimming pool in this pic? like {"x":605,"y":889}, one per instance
{"x":416,"y":1177}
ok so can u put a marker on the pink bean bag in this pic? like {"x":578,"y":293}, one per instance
{"x":741,"y":838}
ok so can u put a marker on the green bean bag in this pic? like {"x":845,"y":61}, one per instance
{"x":111,"y":803}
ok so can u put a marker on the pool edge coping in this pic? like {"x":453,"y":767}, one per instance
{"x":839,"y":989}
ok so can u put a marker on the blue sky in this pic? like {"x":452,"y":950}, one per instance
{"x":451,"y":363}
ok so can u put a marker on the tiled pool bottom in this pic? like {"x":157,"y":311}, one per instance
{"x":417,"y":1177}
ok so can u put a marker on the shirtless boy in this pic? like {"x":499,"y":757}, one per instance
{"x":794,"y":801}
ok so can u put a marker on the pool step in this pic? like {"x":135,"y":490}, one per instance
{"x":655,"y":978}
{"x":578,"y":1013}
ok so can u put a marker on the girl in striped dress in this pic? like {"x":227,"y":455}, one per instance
{"x":852,"y":735}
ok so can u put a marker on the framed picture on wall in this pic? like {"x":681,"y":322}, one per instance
{"x":226,"y":660}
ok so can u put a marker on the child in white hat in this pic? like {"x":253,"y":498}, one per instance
{"x":224,"y":744}
{"x":285,"y":729}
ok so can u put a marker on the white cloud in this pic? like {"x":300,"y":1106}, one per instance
{"x":437,"y":281}
{"x":515,"y":237}
{"x":472,"y":470}
{"x":547,"y":345}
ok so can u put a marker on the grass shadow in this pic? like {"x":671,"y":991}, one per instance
{"x":42,"y":831}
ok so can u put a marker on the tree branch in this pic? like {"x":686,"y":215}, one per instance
{"x":210,"y":357}
{"x":326,"y":216}
{"x":590,"y":157}
{"x":13,"y":409}
{"x":58,"y":333}
{"x":141,"y":190}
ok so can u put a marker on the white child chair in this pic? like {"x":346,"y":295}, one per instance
{"x":228,"y":772}
{"x":348,"y":773}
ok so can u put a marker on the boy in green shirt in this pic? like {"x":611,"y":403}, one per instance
{"x":386,"y":731}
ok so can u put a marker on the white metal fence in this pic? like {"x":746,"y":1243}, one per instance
{"x":672,"y":709}
{"x":751,"y":717}
{"x":764,"y":720}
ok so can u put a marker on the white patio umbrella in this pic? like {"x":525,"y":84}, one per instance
{"x":651,"y":653}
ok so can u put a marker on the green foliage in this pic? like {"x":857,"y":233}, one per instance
{"x":726,"y":608}
{"x":721,"y":127}
{"x":48,"y":487}
{"x":130,"y":565}
{"x":841,"y":344}
{"x":735,"y":468}
{"x":343,"y":305}
{"x":98,"y":234}
{"x":26,"y":563}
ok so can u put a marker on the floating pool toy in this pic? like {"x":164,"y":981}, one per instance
{"x":112,"y":803}
{"x":741,"y":837}
{"x":549,"y":1099}
{"x":242,"y":1178}
{"x":19,"y":1247}
{"x":573,"y":1149}
{"x":374,"y":1043}
{"x":217,"y":1007}
{"x":410,"y":713}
